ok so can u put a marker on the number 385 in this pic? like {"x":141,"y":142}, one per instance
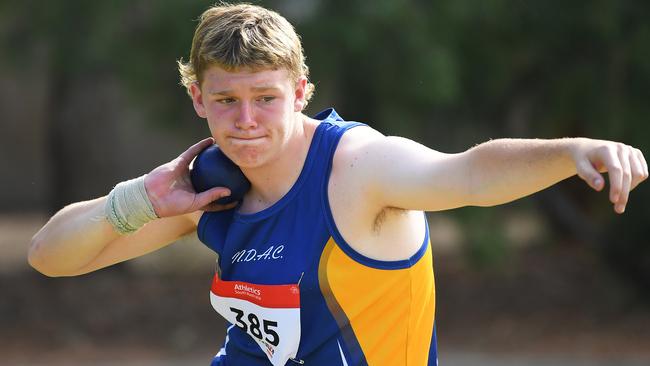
{"x":256,"y":328}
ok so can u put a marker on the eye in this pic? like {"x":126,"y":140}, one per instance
{"x":267,"y":99}
{"x":226,"y":101}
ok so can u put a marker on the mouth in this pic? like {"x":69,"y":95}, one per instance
{"x":246,"y":137}
{"x":246,"y":140}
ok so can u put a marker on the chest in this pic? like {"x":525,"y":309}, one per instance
{"x":273,"y":251}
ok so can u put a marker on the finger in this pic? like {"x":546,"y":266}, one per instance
{"x":643,"y":163}
{"x":589,"y":174}
{"x":626,"y":181}
{"x":615,"y":172}
{"x":205,"y":198}
{"x":218,"y":207}
{"x":195,"y":149}
{"x":638,"y":170}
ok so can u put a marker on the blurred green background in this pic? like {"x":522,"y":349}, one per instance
{"x":89,"y":96}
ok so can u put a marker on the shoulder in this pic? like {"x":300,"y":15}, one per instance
{"x":354,"y":165}
{"x":356,"y":144}
{"x":358,"y":206}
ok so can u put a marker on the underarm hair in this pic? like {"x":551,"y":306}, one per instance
{"x":128,"y":206}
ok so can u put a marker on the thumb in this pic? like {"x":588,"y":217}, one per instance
{"x":589,"y":174}
{"x":211,"y":195}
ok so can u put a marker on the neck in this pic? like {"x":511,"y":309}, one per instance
{"x":270,"y":182}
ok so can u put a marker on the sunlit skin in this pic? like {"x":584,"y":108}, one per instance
{"x":256,"y":119}
{"x":376,"y":185}
{"x":265,"y":132}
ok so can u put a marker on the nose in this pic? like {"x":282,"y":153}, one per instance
{"x":246,"y":119}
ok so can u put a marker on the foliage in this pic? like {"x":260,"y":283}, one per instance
{"x":447,"y":73}
{"x":414,"y":66}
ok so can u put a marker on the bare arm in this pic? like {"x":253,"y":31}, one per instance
{"x":397,"y":172}
{"x":504,"y":170}
{"x":78,"y":239}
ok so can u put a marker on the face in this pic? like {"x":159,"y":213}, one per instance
{"x":252,"y":115}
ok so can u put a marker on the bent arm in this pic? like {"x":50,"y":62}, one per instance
{"x":78,"y":239}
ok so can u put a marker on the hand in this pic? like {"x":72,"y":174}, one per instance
{"x":626,"y":167}
{"x":170,"y":190}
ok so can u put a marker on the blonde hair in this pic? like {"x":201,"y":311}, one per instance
{"x":244,"y":36}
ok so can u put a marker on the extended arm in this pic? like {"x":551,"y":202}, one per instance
{"x":504,"y":170}
{"x":397,"y":172}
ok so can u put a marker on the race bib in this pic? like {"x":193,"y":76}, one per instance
{"x":270,"y":314}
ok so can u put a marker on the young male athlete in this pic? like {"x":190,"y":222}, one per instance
{"x":326,"y":260}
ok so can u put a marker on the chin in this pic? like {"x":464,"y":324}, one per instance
{"x":246,"y":161}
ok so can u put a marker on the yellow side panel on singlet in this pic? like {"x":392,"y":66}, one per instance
{"x":391,"y":312}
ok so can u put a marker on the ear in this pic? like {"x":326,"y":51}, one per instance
{"x":299,"y":101}
{"x":197,"y":100}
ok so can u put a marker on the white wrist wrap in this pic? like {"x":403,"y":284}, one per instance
{"x":128,"y":207}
